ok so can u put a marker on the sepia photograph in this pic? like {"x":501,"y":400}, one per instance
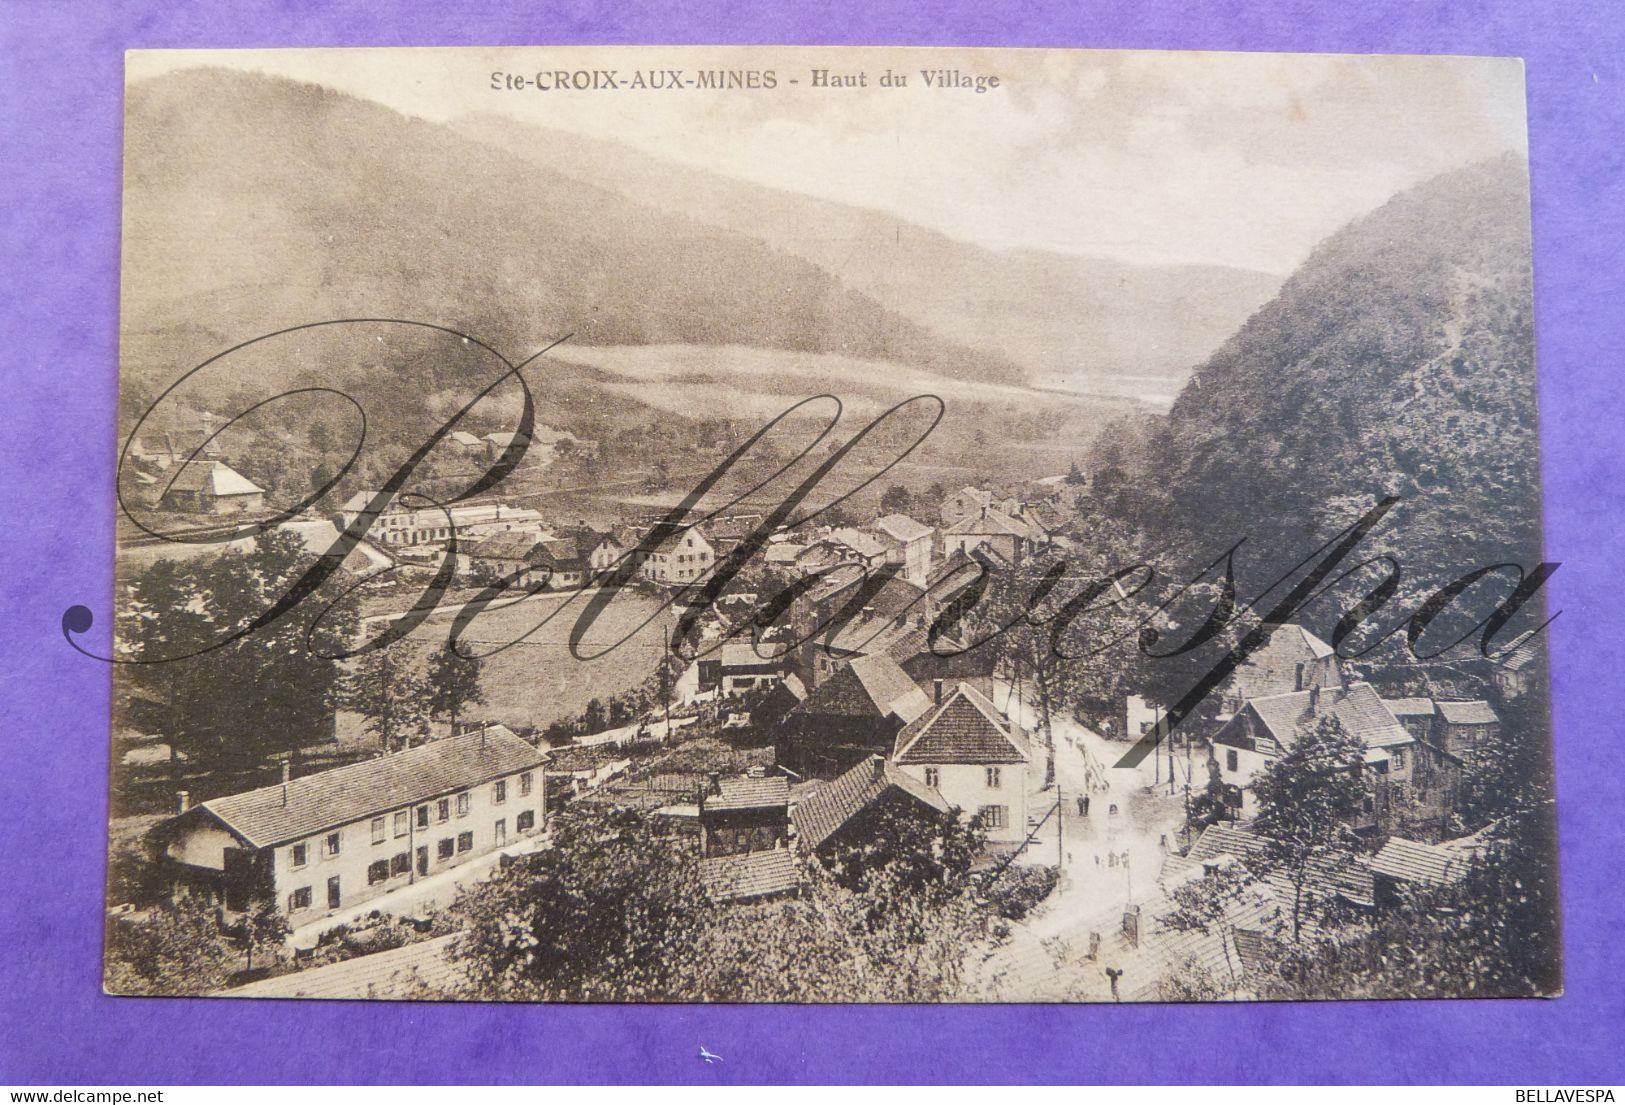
{"x":827,"y":525}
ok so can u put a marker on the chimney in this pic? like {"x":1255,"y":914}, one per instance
{"x":868,"y":612}
{"x":1314,"y":697}
{"x":1297,"y":678}
{"x":287,"y":770}
{"x":936,"y":691}
{"x":1131,"y":925}
{"x":1114,"y":973}
{"x":183,"y":801}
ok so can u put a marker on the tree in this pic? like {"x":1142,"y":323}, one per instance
{"x":394,"y":703}
{"x":616,"y":911}
{"x":595,"y":717}
{"x":454,"y":683}
{"x":1306,"y":798}
{"x":176,"y":949}
{"x":896,"y":499}
{"x":279,"y":674}
{"x":918,"y":850}
{"x":1207,"y":906}
{"x":1074,"y":476}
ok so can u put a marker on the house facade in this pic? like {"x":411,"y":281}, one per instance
{"x":908,"y":544}
{"x":1010,"y":538}
{"x":963,"y":503}
{"x":687,"y":556}
{"x":326,"y":842}
{"x":974,"y":757}
{"x":1408,"y":782}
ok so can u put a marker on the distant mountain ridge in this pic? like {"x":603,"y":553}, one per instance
{"x":256,"y":202}
{"x":1071,"y":322}
{"x":1398,"y":359}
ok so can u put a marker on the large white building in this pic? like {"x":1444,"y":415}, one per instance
{"x":322,"y":843}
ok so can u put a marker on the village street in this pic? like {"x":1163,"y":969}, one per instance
{"x":1112,"y":855}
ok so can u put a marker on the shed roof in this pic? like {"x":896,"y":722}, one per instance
{"x":1472,"y":712}
{"x":750,"y":875}
{"x":402,"y":972}
{"x":747,"y":793}
{"x":1413,"y":861}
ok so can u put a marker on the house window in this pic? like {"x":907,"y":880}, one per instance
{"x":1397,"y":758}
{"x":377,"y":872}
{"x":465,"y":842}
{"x":526,"y":821}
{"x":501,"y":792}
{"x":933,"y":777}
{"x":299,"y":854}
{"x":378,"y":830}
{"x":462,"y":804}
{"x":993,"y":780}
{"x":1231,"y":760}
{"x":994,"y":817}
{"x":443,"y":809}
{"x":500,"y":831}
{"x":330,"y":846}
{"x":299,"y":899}
{"x":524,"y":785}
{"x":401,"y":820}
{"x":400,"y":864}
{"x":423,"y":817}
{"x":444,"y":849}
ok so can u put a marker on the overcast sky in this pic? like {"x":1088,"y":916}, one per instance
{"x":1238,"y":159}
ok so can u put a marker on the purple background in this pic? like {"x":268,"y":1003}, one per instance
{"x":59,"y":233}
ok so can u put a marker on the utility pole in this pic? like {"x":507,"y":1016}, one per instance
{"x":1060,"y":830}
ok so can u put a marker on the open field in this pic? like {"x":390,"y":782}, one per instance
{"x":537,"y":681}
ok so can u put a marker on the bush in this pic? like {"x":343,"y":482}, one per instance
{"x":1015,"y":890}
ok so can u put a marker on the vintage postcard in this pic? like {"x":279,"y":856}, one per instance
{"x":828,"y":525}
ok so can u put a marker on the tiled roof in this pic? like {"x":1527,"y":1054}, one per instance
{"x":1409,"y":707}
{"x":863,"y":544}
{"x":1522,"y":653}
{"x":1357,"y":706}
{"x":214,"y":477}
{"x":426,"y":968}
{"x":988,"y":520}
{"x":822,"y":813}
{"x":783,"y":552}
{"x":1411,"y":861}
{"x":1328,"y":876}
{"x":1273,"y":668}
{"x":750,"y":794}
{"x":1473,"y":712}
{"x":743,"y":656}
{"x":977,"y":494}
{"x":965,"y":729}
{"x":750,"y":875}
{"x":343,"y":795}
{"x":508,"y":545}
{"x":463,"y":437}
{"x":900,"y":527}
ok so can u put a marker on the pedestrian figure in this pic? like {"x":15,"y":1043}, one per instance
{"x":1163,"y":842}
